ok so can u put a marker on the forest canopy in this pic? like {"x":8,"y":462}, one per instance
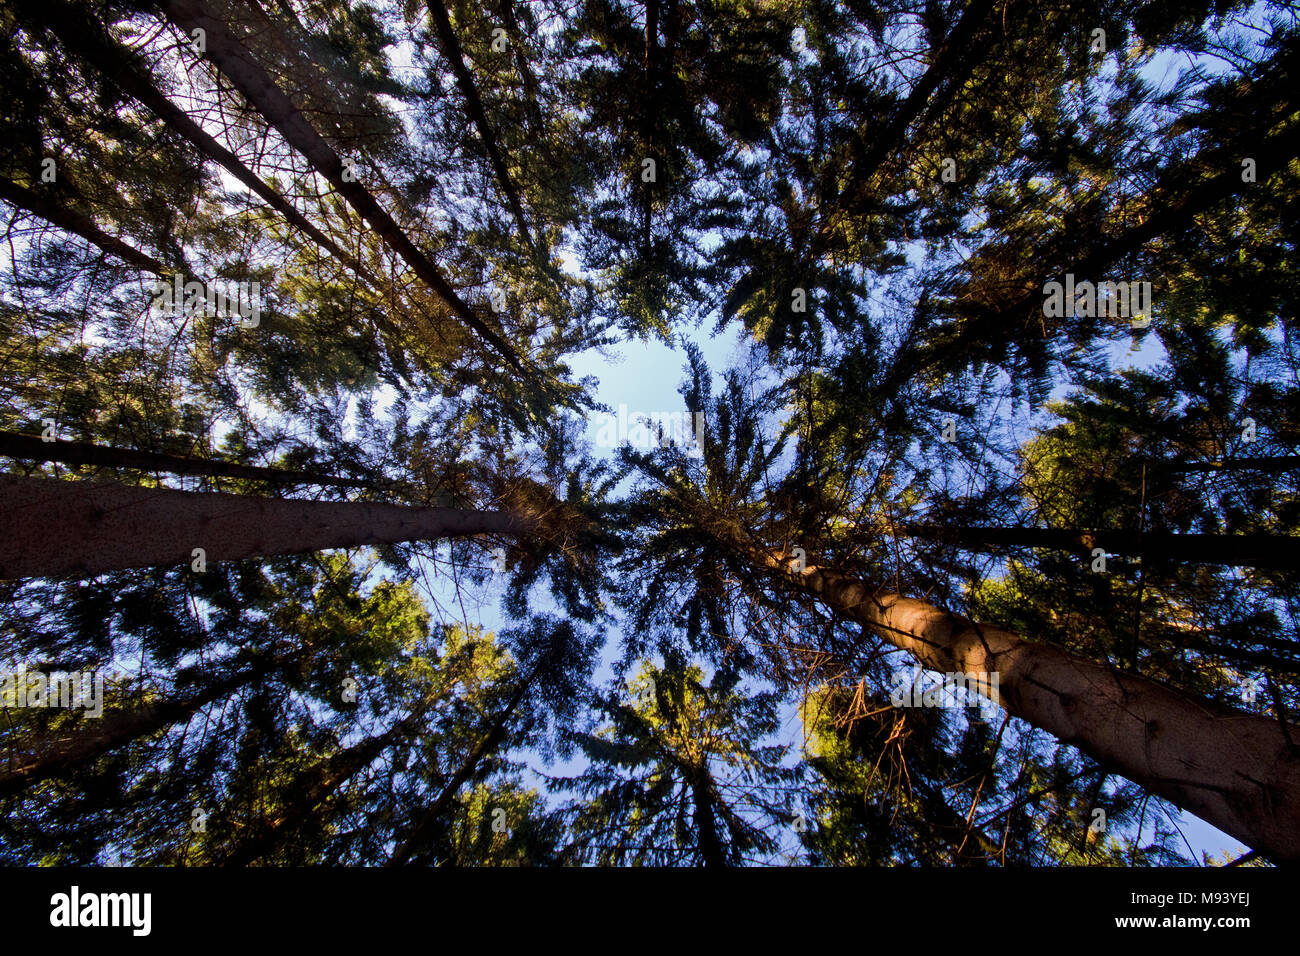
{"x":321,"y":544}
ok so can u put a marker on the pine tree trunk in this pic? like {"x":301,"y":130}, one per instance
{"x":1268,"y":463}
{"x":310,"y":789}
{"x":532,"y":89}
{"x":1234,"y":770}
{"x":32,"y":448}
{"x":946,"y":66}
{"x":706,"y":822}
{"x":69,"y":220}
{"x":59,"y":754}
{"x":238,"y":65}
{"x":1175,"y":206}
{"x":969,"y":843}
{"x":649,"y":108}
{"x":52,"y":527}
{"x":452,"y":51}
{"x":88,"y":41}
{"x":419,"y":836}
{"x":1272,"y":551}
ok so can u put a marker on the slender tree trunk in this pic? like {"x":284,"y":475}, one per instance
{"x":706,"y":822}
{"x":1234,"y":770}
{"x":1273,"y":463}
{"x":969,"y":843}
{"x":238,"y":65}
{"x":946,"y":65}
{"x":429,"y":820}
{"x":1273,"y":551}
{"x":51,"y":527}
{"x":311,"y":788}
{"x":532,"y":89}
{"x":650,"y":69}
{"x":1173,"y":210}
{"x":32,"y":448}
{"x":60,"y":753}
{"x":69,"y":220}
{"x":452,"y":51}
{"x":88,"y":40}
{"x":672,"y":29}
{"x":1176,"y":200}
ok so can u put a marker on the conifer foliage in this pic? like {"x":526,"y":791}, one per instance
{"x":982,"y":549}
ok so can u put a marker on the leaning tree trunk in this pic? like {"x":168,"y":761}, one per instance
{"x":490,"y":741}
{"x":91,"y":42}
{"x":951,"y":63}
{"x":52,"y":528}
{"x":59,"y":753}
{"x":474,"y":106}
{"x":969,"y":843}
{"x":32,"y":448}
{"x":1237,"y":771}
{"x":238,"y":65}
{"x":1272,"y":551}
{"x":312,"y":788}
{"x":70,"y":220}
{"x":1270,"y":463}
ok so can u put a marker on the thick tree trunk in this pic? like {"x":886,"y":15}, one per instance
{"x":1273,"y":551}
{"x":69,"y":220}
{"x":253,"y":82}
{"x":452,"y":51}
{"x":32,"y":448}
{"x":1234,"y":770}
{"x":51,"y":527}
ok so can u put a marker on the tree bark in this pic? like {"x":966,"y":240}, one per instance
{"x":312,"y":788}
{"x":969,"y":843}
{"x":945,"y":65}
{"x":532,"y":89}
{"x":1173,"y":210}
{"x":429,"y":819}
{"x":451,"y":49}
{"x":1272,"y":551}
{"x":1272,"y":463}
{"x":649,"y":106}
{"x":53,"y":528}
{"x":88,"y":41}
{"x":238,"y":65}
{"x":1234,"y":770}
{"x":55,"y":755}
{"x":69,"y":220}
{"x":32,"y":448}
{"x":706,"y":821}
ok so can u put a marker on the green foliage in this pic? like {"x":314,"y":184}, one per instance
{"x":876,"y":193}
